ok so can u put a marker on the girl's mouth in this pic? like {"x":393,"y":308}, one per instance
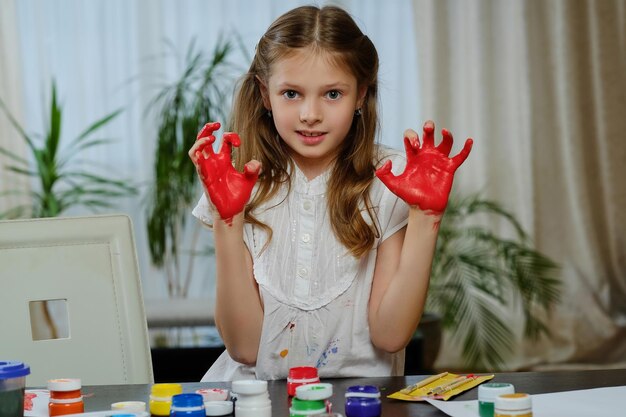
{"x":311,"y":137}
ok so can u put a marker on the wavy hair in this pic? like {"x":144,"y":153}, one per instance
{"x":330,"y":30}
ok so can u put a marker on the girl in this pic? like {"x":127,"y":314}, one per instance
{"x":318,"y":263}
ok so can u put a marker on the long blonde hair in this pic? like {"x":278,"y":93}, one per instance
{"x":332,"y":30}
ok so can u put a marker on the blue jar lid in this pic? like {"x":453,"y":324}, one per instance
{"x":187,"y":400}
{"x":11,"y":369}
{"x":363,"y":391}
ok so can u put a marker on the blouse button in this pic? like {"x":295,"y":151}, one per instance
{"x":306,"y":238}
{"x":303,"y":272}
{"x":306,"y":205}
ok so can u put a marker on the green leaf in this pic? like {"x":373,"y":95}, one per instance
{"x":13,"y":156}
{"x":16,"y":125}
{"x":99,"y":124}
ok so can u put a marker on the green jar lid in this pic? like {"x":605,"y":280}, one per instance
{"x":306,"y":407}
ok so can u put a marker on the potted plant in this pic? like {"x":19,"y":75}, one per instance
{"x":476,"y":272}
{"x":199,"y":95}
{"x":62,"y":183}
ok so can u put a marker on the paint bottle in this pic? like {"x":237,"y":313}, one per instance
{"x":65,"y":397}
{"x":12,"y":384}
{"x":487,"y":394}
{"x":301,"y":375}
{"x":161,"y":398}
{"x":513,"y":405}
{"x":187,"y":405}
{"x":363,"y":401}
{"x":253,"y":399}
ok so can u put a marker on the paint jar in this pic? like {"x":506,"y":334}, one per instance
{"x":161,"y":398}
{"x":311,"y":399}
{"x":218,"y":408}
{"x":363,"y":401}
{"x":487,"y":394}
{"x":216,"y":401}
{"x":303,"y":408}
{"x":12,"y":385}
{"x":513,"y":405}
{"x":130,"y":406}
{"x":65,"y":397}
{"x":187,"y":405}
{"x":301,"y":375}
{"x":213,"y":394}
{"x":253,"y":399}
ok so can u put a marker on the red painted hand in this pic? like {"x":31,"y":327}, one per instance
{"x":427,"y":178}
{"x":228,"y":189}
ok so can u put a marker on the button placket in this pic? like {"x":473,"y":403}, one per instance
{"x":306,"y":214}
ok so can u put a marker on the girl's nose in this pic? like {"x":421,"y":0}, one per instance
{"x":310,"y":112}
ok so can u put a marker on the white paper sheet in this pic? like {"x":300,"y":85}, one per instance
{"x":609,"y":401}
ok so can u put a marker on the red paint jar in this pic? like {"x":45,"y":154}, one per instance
{"x":65,"y":397}
{"x":301,"y":375}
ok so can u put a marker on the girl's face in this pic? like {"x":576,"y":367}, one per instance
{"x":313,"y":102}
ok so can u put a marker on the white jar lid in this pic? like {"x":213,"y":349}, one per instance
{"x":249,"y":386}
{"x":213,"y":394}
{"x":130,"y":406}
{"x":488,"y":392}
{"x":311,"y":392}
{"x":218,"y":408}
{"x":513,"y":402}
{"x":65,"y":384}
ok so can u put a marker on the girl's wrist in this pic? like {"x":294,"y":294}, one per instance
{"x":425,"y":219}
{"x":234,"y":223}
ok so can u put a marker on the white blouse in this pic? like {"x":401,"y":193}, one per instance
{"x":315,"y":293}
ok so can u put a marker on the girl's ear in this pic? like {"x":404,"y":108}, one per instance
{"x":264,"y":93}
{"x":361,"y":99}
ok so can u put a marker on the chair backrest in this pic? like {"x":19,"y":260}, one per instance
{"x":79,"y":275}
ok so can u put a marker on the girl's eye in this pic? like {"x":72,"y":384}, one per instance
{"x":290,"y":94}
{"x":333,"y":95}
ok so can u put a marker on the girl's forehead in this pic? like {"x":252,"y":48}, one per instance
{"x":305,"y":57}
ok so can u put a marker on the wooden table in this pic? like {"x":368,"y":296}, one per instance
{"x":529,"y":382}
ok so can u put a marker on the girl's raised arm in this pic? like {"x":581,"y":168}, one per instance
{"x":404,"y":260}
{"x":238,"y":310}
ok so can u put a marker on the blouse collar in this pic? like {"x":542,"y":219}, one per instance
{"x":316,"y":186}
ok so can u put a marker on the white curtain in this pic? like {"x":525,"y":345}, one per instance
{"x":541,"y":86}
{"x":11,"y":95}
{"x":109,"y":54}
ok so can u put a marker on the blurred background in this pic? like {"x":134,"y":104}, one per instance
{"x":531,"y":264}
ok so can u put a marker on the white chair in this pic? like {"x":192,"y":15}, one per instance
{"x":81,"y":272}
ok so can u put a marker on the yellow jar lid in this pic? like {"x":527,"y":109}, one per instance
{"x":166,"y":390}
